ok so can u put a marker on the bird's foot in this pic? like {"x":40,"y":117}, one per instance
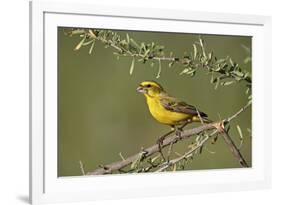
{"x":179,"y":133}
{"x":160,"y":141}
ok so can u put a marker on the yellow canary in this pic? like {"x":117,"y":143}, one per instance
{"x":166,"y":109}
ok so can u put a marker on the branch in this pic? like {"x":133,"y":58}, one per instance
{"x":235,"y":151}
{"x":224,"y":71}
{"x":187,"y":155}
{"x":219,"y":126}
{"x":115,"y":166}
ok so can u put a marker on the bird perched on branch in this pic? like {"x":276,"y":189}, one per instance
{"x":169,"y":110}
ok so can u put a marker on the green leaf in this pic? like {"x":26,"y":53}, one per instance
{"x":132,"y":66}
{"x":77,"y":32}
{"x":120,"y":154}
{"x":188,"y":71}
{"x":217,"y":84}
{"x":194,"y":51}
{"x":210,"y":56}
{"x":135,"y":163}
{"x":155,"y":158}
{"x":247,"y":60}
{"x":79,"y":45}
{"x":247,"y":90}
{"x":92,"y":47}
{"x":220,"y":61}
{"x":134,"y":43}
{"x":159,"y":69}
{"x":146,"y":52}
{"x":238,"y":73}
{"x":231,"y":62}
{"x":227,"y":83}
{"x":142,"y":46}
{"x":240,"y":132}
{"x":217,"y":69}
{"x":87,"y":43}
{"x":241,"y":136}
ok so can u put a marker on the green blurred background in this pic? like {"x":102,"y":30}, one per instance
{"x":101,"y":114}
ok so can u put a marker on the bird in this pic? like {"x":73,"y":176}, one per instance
{"x":169,"y":110}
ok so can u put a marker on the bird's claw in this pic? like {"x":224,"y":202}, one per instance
{"x":179,"y":133}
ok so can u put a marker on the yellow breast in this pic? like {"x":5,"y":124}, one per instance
{"x":163,"y":115}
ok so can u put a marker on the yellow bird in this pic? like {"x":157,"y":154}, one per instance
{"x":169,"y":110}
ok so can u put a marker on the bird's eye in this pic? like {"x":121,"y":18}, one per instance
{"x":148,"y":86}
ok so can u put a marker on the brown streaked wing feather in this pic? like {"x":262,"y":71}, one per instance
{"x":174,"y":105}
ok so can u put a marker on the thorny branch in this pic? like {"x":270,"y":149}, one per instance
{"x":223,"y":71}
{"x":145,"y":153}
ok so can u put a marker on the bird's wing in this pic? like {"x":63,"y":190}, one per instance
{"x":173,"y":104}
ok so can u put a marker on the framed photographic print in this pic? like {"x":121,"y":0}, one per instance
{"x":132,"y":103}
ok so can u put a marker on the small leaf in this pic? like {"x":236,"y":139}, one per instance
{"x":159,"y":69}
{"x":174,"y":167}
{"x":227,"y":83}
{"x":87,"y":43}
{"x":210,"y":56}
{"x":201,"y":149}
{"x":92,"y":47}
{"x":184,"y":71}
{"x":76,"y":32}
{"x":217,"y":84}
{"x":220,"y":61}
{"x":238,"y":73}
{"x":194,"y":51}
{"x":146,"y":52}
{"x":241,"y":136}
{"x":231,"y":62}
{"x":79,"y":45}
{"x":212,"y":78}
{"x":92,"y":34}
{"x":217,"y":69}
{"x":134,"y":43}
{"x":247,"y":60}
{"x":132,"y":66}
{"x":142,"y":46}
{"x":239,"y":131}
{"x":120,"y":154}
{"x":155,"y":158}
{"x":247,"y":90}
{"x":134,"y":164}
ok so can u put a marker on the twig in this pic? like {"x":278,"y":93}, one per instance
{"x":238,"y":113}
{"x":82,"y":167}
{"x":226,"y":68}
{"x":187,"y":155}
{"x":152,"y":150}
{"x":115,"y":166}
{"x":235,"y":151}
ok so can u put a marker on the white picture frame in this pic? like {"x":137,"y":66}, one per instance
{"x":46,"y":187}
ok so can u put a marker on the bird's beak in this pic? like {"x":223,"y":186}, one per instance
{"x":140,"y":89}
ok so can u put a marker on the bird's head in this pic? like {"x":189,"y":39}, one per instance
{"x":150,"y":88}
